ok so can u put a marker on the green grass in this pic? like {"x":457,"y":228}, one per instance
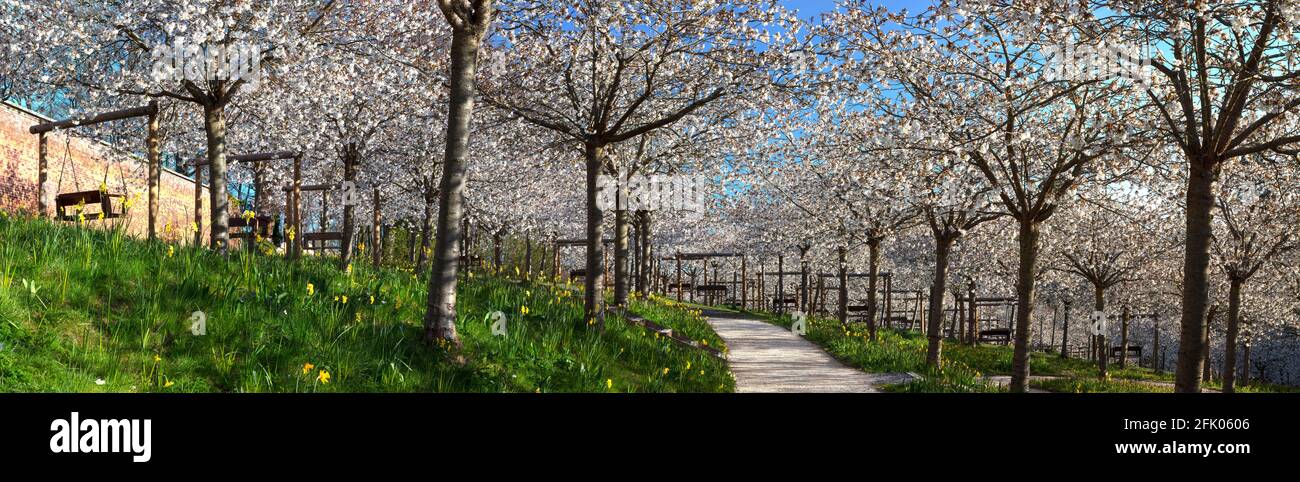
{"x":893,"y":352}
{"x":964,"y":366}
{"x":110,"y":308}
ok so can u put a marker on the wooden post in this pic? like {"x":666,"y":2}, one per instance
{"x":43,"y":175}
{"x":198,"y":204}
{"x":376,"y":248}
{"x":154,"y":147}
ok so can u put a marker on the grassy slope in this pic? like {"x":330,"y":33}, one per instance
{"x":111,"y":308}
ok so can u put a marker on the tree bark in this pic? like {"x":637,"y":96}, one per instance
{"x":1123,"y":337}
{"x":214,"y":123}
{"x":440,"y":314}
{"x":594,"y":282}
{"x":1025,"y":294}
{"x":620,"y":257}
{"x":349,"y":205}
{"x":154,"y":145}
{"x":1196,"y":263}
{"x":426,"y":230}
{"x":873,"y":275}
{"x":843,"y":309}
{"x":1230,"y":344}
{"x":1065,"y":331}
{"x":942,"y":246}
{"x":1099,"y":341}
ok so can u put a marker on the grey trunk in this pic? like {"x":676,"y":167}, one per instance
{"x":214,"y":122}
{"x":440,"y":314}
{"x":1025,"y":294}
{"x":1196,"y":287}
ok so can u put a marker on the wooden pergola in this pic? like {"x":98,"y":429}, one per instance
{"x":261,"y":224}
{"x":104,"y":199}
{"x":709,"y":288}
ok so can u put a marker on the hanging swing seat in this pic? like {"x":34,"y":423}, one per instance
{"x":107,"y":207}
{"x":261,"y":226}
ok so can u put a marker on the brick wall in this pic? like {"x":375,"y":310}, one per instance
{"x":84,"y":170}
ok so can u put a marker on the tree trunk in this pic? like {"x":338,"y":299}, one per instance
{"x":1099,"y":341}
{"x":803,"y":279}
{"x":1205,"y":344}
{"x":843,"y":309}
{"x":1230,"y":345}
{"x":620,"y":257}
{"x":440,"y":314}
{"x":198,"y":205}
{"x":214,"y":122}
{"x":873,"y":275}
{"x":942,"y":246}
{"x":154,"y":146}
{"x":376,"y":231}
{"x":1123,"y":337}
{"x":496,"y":249}
{"x":1025,"y":294}
{"x":1196,"y":262}
{"x":349,"y":205}
{"x":426,"y":230}
{"x":594,"y":282}
{"x":1065,"y":331}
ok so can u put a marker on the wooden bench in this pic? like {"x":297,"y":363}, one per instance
{"x":87,"y":198}
{"x":261,"y":226}
{"x":996,"y":335}
{"x":1132,"y":350}
{"x":318,"y":240}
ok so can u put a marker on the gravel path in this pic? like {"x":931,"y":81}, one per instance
{"x":769,"y":358}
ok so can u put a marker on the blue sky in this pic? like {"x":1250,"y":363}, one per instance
{"x":808,"y":8}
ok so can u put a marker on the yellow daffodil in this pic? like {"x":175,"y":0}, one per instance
{"x":168,"y":384}
{"x":306,"y":367}
{"x":361,"y":247}
{"x":194,"y":227}
{"x":345,"y":299}
{"x":523,"y":310}
{"x":248,"y":215}
{"x":290,"y":233}
{"x":665,"y":371}
{"x":157,"y":358}
{"x":171,"y":250}
{"x":688,"y":365}
{"x":372,"y":299}
{"x":323,"y":376}
{"x":609,"y":383}
{"x":311,"y":289}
